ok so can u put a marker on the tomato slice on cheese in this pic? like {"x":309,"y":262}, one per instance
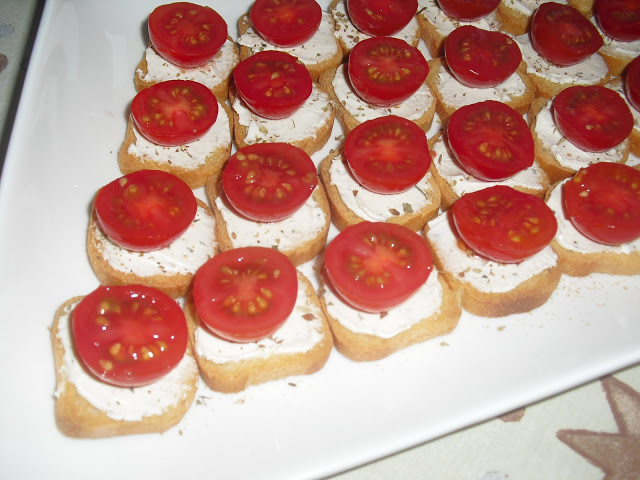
{"x":468,"y":10}
{"x":632,"y":83}
{"x":381,"y":17}
{"x":619,"y":19}
{"x":286,"y":23}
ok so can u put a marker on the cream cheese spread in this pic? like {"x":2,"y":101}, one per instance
{"x":299,"y":334}
{"x":444,"y":24}
{"x":480,"y":273}
{"x":425,"y":302}
{"x":183,"y":256}
{"x":211,"y":74}
{"x":376,"y":207}
{"x":119,"y":403}
{"x":189,"y":155}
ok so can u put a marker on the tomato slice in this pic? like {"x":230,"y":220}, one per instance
{"x":388,"y":154}
{"x":129,"y":336}
{"x":286,"y":23}
{"x":490,"y":140}
{"x":375,"y":266}
{"x":381,"y":17}
{"x":245,"y":294}
{"x":632,"y":83}
{"x":273,"y":84}
{"x":174,"y":112}
{"x":268,"y":182}
{"x":593,"y":118}
{"x":468,"y":10}
{"x":480,"y":58}
{"x":619,"y":19}
{"x":385,"y":71}
{"x":187,"y":34}
{"x":562,"y":35}
{"x":145,"y":210}
{"x":503,"y":224}
{"x":603,"y":202}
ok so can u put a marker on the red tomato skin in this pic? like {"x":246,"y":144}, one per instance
{"x":479,"y":58}
{"x":619,"y":19}
{"x":355,"y":241}
{"x":468,"y":10}
{"x":179,"y":49}
{"x":212,"y":291}
{"x":174,"y":100}
{"x":381,"y":18}
{"x":484,"y":220}
{"x":106,"y":317}
{"x":255,"y":95}
{"x":387,"y":164}
{"x":593,"y":118}
{"x":141,"y":221}
{"x":297,"y":21}
{"x":388,"y":51}
{"x":632,"y":83}
{"x":602,"y":201}
{"x":514,"y":136}
{"x":263,"y":162}
{"x":562,"y":35}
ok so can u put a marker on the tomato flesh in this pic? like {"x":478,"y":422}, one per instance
{"x":375,"y":266}
{"x":286,"y":23}
{"x":603,"y":202}
{"x":593,"y":118}
{"x":388,"y":154}
{"x":245,"y":294}
{"x":562,"y":35}
{"x":632,"y":83}
{"x":503,"y":224}
{"x":381,"y":17}
{"x":129,"y":336}
{"x":186,"y":34}
{"x":273,"y":84}
{"x":145,"y":210}
{"x":479,"y":58}
{"x":468,"y":10}
{"x":269,"y":182}
{"x":619,"y":19}
{"x":385,"y":71}
{"x":490,"y":140}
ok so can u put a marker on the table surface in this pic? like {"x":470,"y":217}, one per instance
{"x":590,"y":432}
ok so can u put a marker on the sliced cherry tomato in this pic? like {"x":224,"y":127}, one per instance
{"x":145,"y":210}
{"x":286,"y":23}
{"x":603,"y":202}
{"x":187,"y":34}
{"x":385,"y":71}
{"x":503,"y":224}
{"x":174,"y":112}
{"x":129,"y":336}
{"x":619,"y":19}
{"x":375,"y":266}
{"x":268,"y":182}
{"x":468,"y":10}
{"x":245,"y":294}
{"x":480,"y":58}
{"x":388,"y":154}
{"x":593,"y":118}
{"x":273,"y":84}
{"x":381,"y":17}
{"x":632,"y":83}
{"x":490,"y":140}
{"x":562,"y":35}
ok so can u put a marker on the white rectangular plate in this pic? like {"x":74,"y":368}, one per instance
{"x":70,"y":123}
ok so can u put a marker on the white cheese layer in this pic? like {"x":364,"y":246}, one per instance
{"x":305,"y":224}
{"x":482,"y":274}
{"x":376,"y":207}
{"x":211,"y":74}
{"x":299,"y":334}
{"x":425,"y":302}
{"x":571,"y":239}
{"x":304,"y":123}
{"x":119,"y":403}
{"x":565,"y":152}
{"x":189,"y":155}
{"x":412,"y":109}
{"x":183,"y":256}
{"x":444,"y":24}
